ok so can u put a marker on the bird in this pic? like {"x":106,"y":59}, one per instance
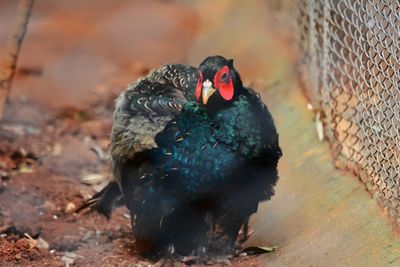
{"x":193,"y":154}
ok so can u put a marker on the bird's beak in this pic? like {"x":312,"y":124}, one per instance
{"x":207,"y":91}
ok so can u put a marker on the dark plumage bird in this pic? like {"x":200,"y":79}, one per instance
{"x":193,"y":154}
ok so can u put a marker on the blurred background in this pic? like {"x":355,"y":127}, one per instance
{"x":308,"y":59}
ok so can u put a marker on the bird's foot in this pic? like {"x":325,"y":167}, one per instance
{"x":198,"y":255}
{"x":231,"y":247}
{"x":208,"y":259}
{"x":169,"y":260}
{"x":163,"y":262}
{"x":224,"y":259}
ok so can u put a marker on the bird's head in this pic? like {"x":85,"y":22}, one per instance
{"x":218,"y":82}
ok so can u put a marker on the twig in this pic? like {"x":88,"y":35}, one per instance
{"x":10,"y":62}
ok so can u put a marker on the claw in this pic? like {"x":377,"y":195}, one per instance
{"x":221,"y":259}
{"x":169,"y":260}
{"x":163,"y":262}
{"x":208,"y":259}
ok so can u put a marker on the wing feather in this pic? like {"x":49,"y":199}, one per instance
{"x":147,"y":105}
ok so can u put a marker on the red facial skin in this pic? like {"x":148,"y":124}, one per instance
{"x":199,"y":85}
{"x":225,"y":88}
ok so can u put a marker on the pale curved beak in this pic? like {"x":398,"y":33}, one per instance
{"x":207,"y":91}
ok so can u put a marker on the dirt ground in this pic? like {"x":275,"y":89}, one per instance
{"x":76,"y":58}
{"x":78,"y":55}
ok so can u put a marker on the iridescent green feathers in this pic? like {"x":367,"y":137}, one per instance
{"x":203,"y":150}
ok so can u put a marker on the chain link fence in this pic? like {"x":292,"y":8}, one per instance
{"x":350,"y":68}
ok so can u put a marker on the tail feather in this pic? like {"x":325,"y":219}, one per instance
{"x":105,"y":201}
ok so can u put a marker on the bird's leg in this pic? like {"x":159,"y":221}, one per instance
{"x":198,"y":255}
{"x":202,"y":248}
{"x":223,"y":247}
{"x":245,"y":231}
{"x":201,"y":252}
{"x":229,"y":251}
{"x":230,"y":248}
{"x":223,"y":256}
{"x":211,"y":226}
{"x":170,"y":256}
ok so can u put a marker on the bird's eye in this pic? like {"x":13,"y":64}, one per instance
{"x":225,"y":78}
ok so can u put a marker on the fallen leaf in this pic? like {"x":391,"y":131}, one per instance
{"x":256,"y":250}
{"x":23,"y":168}
{"x":93,"y":178}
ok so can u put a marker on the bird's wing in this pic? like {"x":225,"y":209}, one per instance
{"x":269,"y":133}
{"x":141,"y":112}
{"x":146,"y":106}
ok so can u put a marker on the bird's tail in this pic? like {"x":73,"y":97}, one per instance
{"x":105,"y":201}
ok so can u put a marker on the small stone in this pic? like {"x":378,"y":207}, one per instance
{"x":69,"y":258}
{"x":70,"y":208}
{"x":98,"y":233}
{"x":42,"y":244}
{"x":87,"y":236}
{"x":57,"y":150}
